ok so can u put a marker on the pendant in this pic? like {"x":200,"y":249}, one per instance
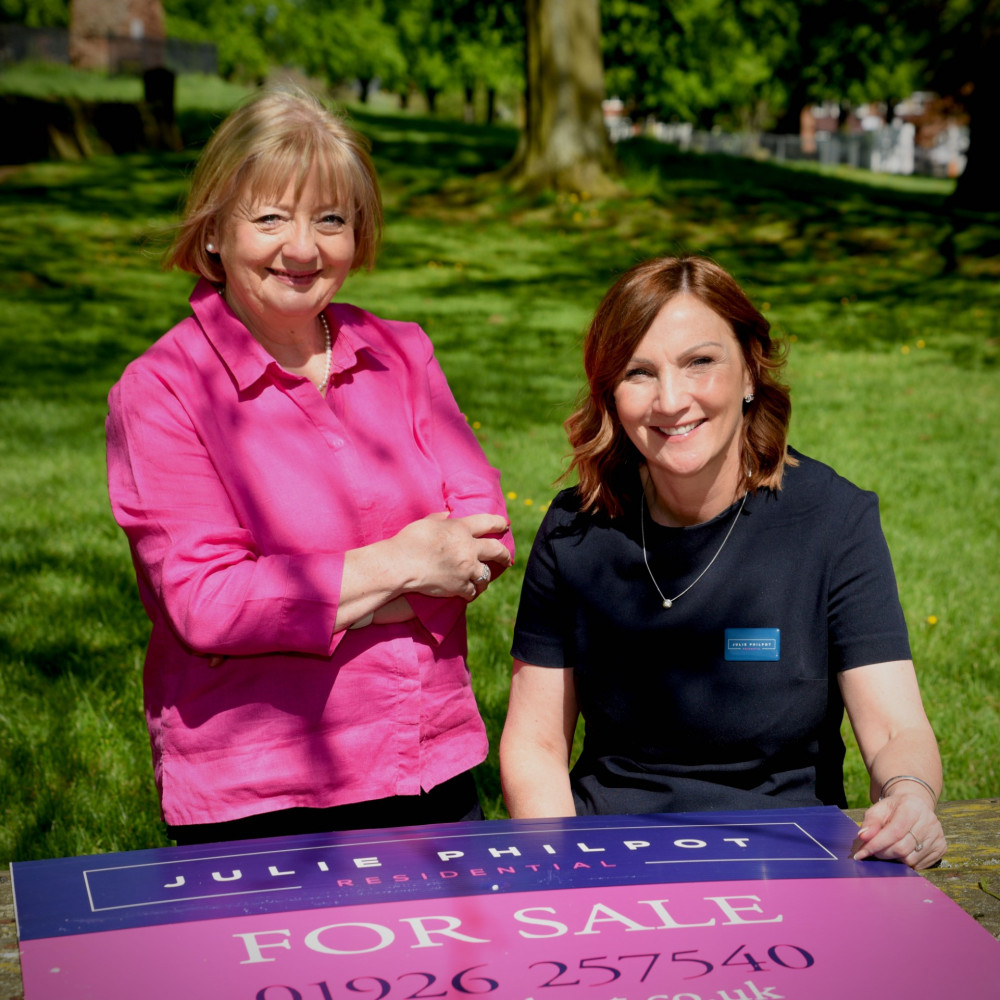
{"x":667,"y":603}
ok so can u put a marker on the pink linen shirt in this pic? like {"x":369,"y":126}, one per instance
{"x":240,"y":488}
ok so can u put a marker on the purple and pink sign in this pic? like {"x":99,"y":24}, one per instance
{"x":714,"y":906}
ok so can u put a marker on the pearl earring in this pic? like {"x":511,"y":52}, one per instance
{"x":210,"y":247}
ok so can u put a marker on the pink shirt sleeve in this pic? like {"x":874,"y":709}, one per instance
{"x":468,"y":489}
{"x":201,"y":567}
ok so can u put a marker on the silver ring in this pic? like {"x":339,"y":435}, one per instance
{"x":484,"y":577}
{"x":919,"y":843}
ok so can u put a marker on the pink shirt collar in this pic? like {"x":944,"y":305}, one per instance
{"x":246,"y":359}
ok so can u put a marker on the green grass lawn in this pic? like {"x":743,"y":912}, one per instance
{"x":894,"y":364}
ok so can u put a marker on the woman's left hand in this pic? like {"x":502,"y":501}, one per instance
{"x":901,"y":827}
{"x":898,"y":747}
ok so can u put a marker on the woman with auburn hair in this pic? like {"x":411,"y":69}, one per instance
{"x":309,"y":513}
{"x":706,"y":598}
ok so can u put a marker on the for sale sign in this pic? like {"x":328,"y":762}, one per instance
{"x":712,"y":906}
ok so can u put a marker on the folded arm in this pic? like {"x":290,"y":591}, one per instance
{"x":205,"y":571}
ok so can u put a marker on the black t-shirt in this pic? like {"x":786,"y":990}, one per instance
{"x":729,"y":698}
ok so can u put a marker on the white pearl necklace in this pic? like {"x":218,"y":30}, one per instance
{"x":329,"y":353}
{"x":327,"y":345}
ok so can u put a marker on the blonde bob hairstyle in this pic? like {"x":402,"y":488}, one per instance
{"x":272,"y":139}
{"x":603,"y":457}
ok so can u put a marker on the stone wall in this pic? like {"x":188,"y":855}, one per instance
{"x":100,"y":30}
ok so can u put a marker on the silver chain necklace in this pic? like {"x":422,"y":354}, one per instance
{"x":668,"y":602}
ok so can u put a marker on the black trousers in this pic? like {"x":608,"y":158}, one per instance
{"x":451,"y":802}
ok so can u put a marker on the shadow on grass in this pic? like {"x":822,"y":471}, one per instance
{"x":881,"y":244}
{"x":859,"y":265}
{"x":137,"y":186}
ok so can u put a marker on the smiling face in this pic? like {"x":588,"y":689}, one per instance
{"x":285,"y":258}
{"x":680,"y":401}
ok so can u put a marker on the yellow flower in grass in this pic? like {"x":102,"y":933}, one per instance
{"x":932,"y":619}
{"x":476,"y":425}
{"x":511,"y":495}
{"x":528,"y":501}
{"x":905,"y":348}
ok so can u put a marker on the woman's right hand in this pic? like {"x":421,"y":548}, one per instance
{"x":442,"y":556}
{"x":435,"y":556}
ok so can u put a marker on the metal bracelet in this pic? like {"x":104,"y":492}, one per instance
{"x":906,"y":777}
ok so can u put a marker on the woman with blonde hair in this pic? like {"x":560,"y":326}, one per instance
{"x":308,"y":511}
{"x":707,"y":599}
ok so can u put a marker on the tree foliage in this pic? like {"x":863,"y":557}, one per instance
{"x":489,"y":47}
{"x":848,"y":53}
{"x":749,"y":63}
{"x":703,"y":61}
{"x":35,"y":13}
{"x":425,"y":45}
{"x":349,"y":40}
{"x":406,"y":45}
{"x":248,"y":36}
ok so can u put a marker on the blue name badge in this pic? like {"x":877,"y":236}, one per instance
{"x":753,"y":643}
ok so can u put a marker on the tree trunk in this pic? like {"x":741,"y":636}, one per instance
{"x":977,"y":189}
{"x":564,"y":144}
{"x":790,"y":121}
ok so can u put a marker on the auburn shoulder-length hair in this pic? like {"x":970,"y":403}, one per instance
{"x":274,"y":138}
{"x":605,"y":460}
